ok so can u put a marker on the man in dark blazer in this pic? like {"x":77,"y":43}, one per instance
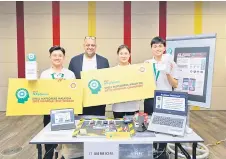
{"x":89,"y":60}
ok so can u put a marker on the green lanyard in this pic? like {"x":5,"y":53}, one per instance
{"x":156,"y":73}
{"x":53,"y":75}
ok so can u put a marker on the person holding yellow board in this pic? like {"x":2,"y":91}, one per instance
{"x":124,"y":108}
{"x":58,"y":72}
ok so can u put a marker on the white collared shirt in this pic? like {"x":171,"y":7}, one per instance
{"x":130,"y":106}
{"x":89,"y":64}
{"x":162,"y":82}
{"x":64,"y":73}
{"x":68,"y":150}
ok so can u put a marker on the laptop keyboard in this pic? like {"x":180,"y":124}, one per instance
{"x":168,"y":121}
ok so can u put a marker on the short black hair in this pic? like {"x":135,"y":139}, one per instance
{"x":158,"y":40}
{"x":122,"y":47}
{"x":56,"y":47}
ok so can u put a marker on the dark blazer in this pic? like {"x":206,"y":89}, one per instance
{"x":77,"y":62}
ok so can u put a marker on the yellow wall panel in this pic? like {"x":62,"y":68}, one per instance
{"x":145,"y":26}
{"x":91,"y":18}
{"x":7,"y":7}
{"x":198,"y":18}
{"x":8,"y":49}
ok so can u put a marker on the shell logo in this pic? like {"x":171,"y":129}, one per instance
{"x":73,"y":85}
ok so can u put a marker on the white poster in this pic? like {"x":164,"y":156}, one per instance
{"x":194,"y":56}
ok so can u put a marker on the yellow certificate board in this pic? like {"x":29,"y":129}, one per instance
{"x":118,"y":84}
{"x":40,"y":96}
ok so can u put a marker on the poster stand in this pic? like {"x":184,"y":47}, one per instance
{"x":194,"y":56}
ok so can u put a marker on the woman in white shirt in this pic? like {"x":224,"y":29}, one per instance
{"x":124,"y":108}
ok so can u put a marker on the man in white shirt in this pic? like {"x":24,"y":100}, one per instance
{"x":89,"y":60}
{"x":56,"y":71}
{"x":165,"y":70}
{"x":165,"y":74}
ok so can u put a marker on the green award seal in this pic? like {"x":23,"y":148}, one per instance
{"x":22,"y":95}
{"x":31,"y":57}
{"x":94,"y":86}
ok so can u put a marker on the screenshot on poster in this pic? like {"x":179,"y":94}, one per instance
{"x":192,"y":65}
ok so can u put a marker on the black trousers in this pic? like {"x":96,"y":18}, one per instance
{"x":122,"y":114}
{"x":49,"y":148}
{"x":95,"y":110}
{"x":148,"y":108}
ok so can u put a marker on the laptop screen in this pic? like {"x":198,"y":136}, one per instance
{"x":171,"y":102}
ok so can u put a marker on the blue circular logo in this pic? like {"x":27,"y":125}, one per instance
{"x":94,"y":86}
{"x":22,"y":95}
{"x":169,"y":51}
{"x":31,"y":57}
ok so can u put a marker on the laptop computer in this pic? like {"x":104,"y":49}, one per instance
{"x":169,"y":113}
